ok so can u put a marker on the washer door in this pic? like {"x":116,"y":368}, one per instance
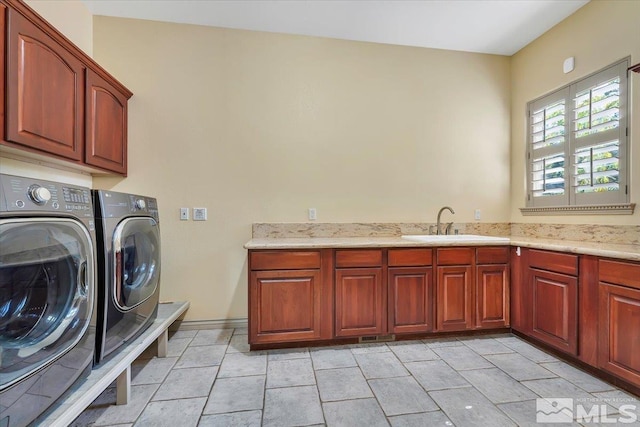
{"x":46,"y":292}
{"x":136,"y":252}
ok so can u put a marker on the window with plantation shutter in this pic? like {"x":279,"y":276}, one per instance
{"x":577,"y":143}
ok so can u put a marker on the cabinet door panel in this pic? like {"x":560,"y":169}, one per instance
{"x":619,"y":344}
{"x":106,"y":125}
{"x":285,"y":305}
{"x":3,"y":14}
{"x":492,"y":296}
{"x":360,"y":302}
{"x":555,"y":309}
{"x":45,"y":88}
{"x":521,"y":293}
{"x":454,"y":298}
{"x":410,"y":300}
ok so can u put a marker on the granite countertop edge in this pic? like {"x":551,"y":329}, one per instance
{"x":609,"y":250}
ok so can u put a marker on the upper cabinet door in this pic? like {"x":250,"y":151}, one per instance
{"x":45,"y":88}
{"x":106,"y":125}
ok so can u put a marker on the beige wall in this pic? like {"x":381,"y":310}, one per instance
{"x":597,"y":35}
{"x":74,"y":20}
{"x":259,"y":127}
{"x":70,"y":17}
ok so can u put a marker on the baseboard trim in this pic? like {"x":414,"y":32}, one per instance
{"x":191,"y":325}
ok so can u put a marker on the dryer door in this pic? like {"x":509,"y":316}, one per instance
{"x":46,"y":292}
{"x":136,"y":257}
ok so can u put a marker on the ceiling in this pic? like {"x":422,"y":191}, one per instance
{"x":488,"y":26}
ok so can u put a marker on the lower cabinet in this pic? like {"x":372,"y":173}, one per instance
{"x":473,"y":288}
{"x":360,"y":302}
{"x":554,"y":309}
{"x":410,"y":290}
{"x":454,"y":298}
{"x":492,"y":296}
{"x":288,"y":297}
{"x":550,"y":284}
{"x":619,"y":336}
{"x":311,"y":295}
{"x":360,"y":294}
{"x":410,"y":299}
{"x":287,"y":304}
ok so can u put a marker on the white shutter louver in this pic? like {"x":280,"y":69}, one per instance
{"x":547,"y":146}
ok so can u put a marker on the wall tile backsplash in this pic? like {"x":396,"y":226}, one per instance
{"x":623,"y":234}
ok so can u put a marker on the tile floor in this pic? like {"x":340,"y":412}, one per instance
{"x":210,"y":379}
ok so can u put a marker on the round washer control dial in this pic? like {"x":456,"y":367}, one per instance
{"x":39,"y":195}
{"x":141,"y":204}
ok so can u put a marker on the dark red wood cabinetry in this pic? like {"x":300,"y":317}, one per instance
{"x":360,"y":294}
{"x":59,"y":104}
{"x":106,"y":135}
{"x":3,"y":54}
{"x":410,"y":295}
{"x":585,"y":306}
{"x":45,"y":91}
{"x":619,"y":336}
{"x":288,"y":297}
{"x":473,"y":288}
{"x":553,"y":288}
{"x":324,"y":294}
{"x":492,"y":288}
{"x":455,"y":289}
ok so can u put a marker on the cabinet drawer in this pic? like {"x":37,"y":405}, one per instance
{"x":409,"y":257}
{"x":492,"y":255}
{"x":359,"y":258}
{"x":455,"y":256}
{"x":554,"y":261}
{"x":620,"y":273}
{"x":284,"y":260}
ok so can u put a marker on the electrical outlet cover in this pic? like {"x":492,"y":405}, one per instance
{"x":184,"y":214}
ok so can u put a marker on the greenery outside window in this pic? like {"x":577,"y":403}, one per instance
{"x":577,"y":145}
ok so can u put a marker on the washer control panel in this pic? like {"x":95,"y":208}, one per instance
{"x":27,"y":194}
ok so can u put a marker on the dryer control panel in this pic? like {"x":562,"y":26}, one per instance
{"x":111,"y":204}
{"x":18,"y":194}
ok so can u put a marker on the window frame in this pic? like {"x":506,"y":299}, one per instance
{"x":570,"y":201}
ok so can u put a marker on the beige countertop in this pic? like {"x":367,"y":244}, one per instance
{"x":609,"y":250}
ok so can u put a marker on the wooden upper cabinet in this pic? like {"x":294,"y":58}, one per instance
{"x":106,"y":125}
{"x":45,"y":92}
{"x":3,"y":53}
{"x":60,"y":105}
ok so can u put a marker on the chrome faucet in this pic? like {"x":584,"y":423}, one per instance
{"x":438,"y":226}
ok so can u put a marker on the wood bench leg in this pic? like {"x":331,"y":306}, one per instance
{"x":163,"y":343}
{"x":123,"y":387}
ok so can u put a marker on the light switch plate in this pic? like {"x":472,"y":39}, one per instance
{"x":199,"y":214}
